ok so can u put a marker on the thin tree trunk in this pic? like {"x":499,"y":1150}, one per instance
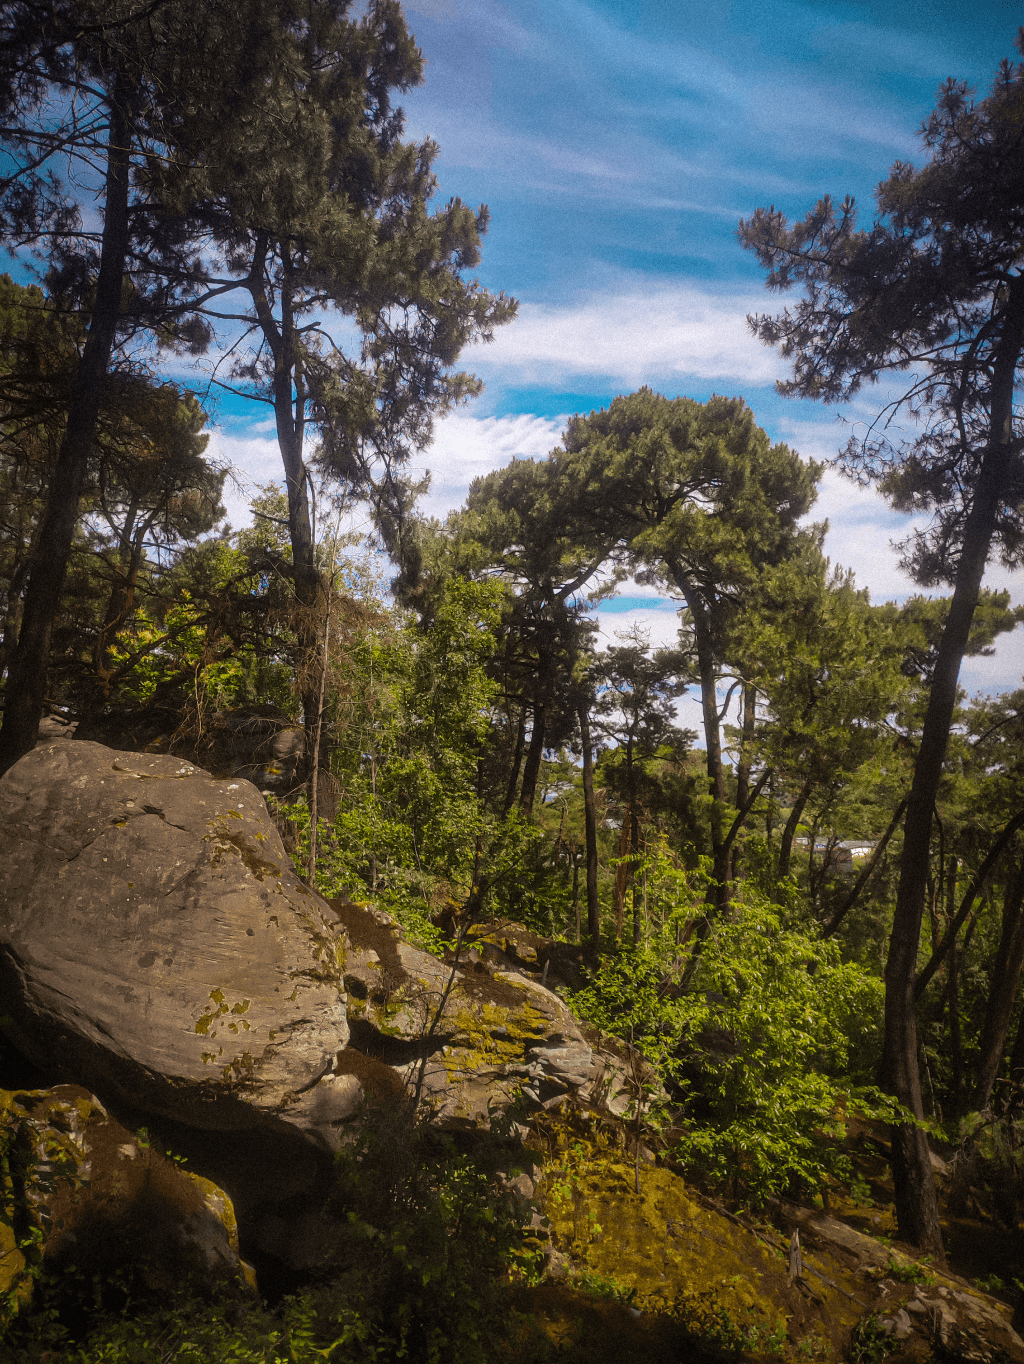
{"x":535,"y":753}
{"x":972,"y":893}
{"x":576,"y":890}
{"x":621,"y":877}
{"x":792,"y":824}
{"x":121,"y":602}
{"x":1005,"y":982}
{"x":956,"y":1043}
{"x":27,"y":670}
{"x":290,"y":418}
{"x":865,"y":875}
{"x":746,"y":745}
{"x":743,"y":771}
{"x":634,"y":856}
{"x":517,"y":761}
{"x":590,"y":827}
{"x":917,"y":1209}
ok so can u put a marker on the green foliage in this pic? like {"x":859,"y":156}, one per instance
{"x":906,"y":1271}
{"x":709,"y":1322}
{"x":758,"y":1044}
{"x":423,"y":1237}
{"x":411,"y":829}
{"x":872,"y":1343}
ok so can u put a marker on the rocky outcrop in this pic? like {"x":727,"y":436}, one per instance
{"x":468,"y":1036}
{"x":103,"y":1197}
{"x":795,"y":1282}
{"x":264,"y":746}
{"x":156,"y":945}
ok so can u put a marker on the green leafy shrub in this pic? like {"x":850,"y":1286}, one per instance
{"x":756,"y":1046}
{"x":424,"y":1240}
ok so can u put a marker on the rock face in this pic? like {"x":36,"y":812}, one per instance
{"x":104,"y":1198}
{"x":156,"y":945}
{"x":464,"y":1037}
{"x":157,"y":948}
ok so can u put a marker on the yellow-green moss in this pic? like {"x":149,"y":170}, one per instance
{"x":489,"y":1034}
{"x":680,"y":1254}
{"x":221,"y":1007}
{"x":223,"y":1209}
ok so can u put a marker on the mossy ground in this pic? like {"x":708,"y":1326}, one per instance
{"x":675,"y":1255}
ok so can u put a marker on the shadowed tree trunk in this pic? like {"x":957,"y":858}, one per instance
{"x":534,"y":754}
{"x":590,"y":826}
{"x":917,"y":1208}
{"x":792,"y":824}
{"x":26,"y":675}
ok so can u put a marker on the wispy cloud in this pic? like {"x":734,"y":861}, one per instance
{"x":644,"y":329}
{"x":466,"y":447}
{"x":251,"y":459}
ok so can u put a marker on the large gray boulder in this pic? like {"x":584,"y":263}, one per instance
{"x":157,"y":947}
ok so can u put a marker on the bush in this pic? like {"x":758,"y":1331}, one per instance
{"x":756,"y":1048}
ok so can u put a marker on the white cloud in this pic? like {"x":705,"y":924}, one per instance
{"x":658,"y":327}
{"x":466,"y":447}
{"x":252,"y":458}
{"x":862,"y":525}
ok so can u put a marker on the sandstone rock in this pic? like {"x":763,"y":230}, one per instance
{"x":156,"y":945}
{"x":56,"y":727}
{"x":500,"y":1034}
{"x":265,"y":748}
{"x":103,"y":1198}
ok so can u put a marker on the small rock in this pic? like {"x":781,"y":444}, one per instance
{"x":902,"y":1325}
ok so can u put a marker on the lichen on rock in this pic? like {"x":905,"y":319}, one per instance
{"x":156,"y":944}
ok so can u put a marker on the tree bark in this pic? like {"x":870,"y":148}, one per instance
{"x":290,"y":399}
{"x":973,"y":891}
{"x":621,"y":878}
{"x":27,"y":670}
{"x":1005,"y":982}
{"x":917,"y":1209}
{"x":533,"y":759}
{"x":746,"y":745}
{"x":743,"y":771}
{"x":865,"y":875}
{"x":590,"y":827}
{"x":517,"y":761}
{"x":704,"y":641}
{"x":792,"y":824}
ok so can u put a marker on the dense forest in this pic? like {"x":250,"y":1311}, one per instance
{"x":807,"y":911}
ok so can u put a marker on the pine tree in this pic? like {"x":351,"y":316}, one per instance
{"x":935,"y":283}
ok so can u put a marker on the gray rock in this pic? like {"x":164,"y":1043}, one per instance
{"x":499,"y":1035}
{"x":157,"y":947}
{"x":902,"y":1325}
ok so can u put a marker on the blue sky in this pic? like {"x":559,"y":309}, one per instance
{"x":617,"y":146}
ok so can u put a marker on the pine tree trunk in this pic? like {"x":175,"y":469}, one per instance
{"x":590,"y":827}
{"x":534,"y":754}
{"x":621,"y":877}
{"x":290,"y":417}
{"x":1005,"y":982}
{"x":26,"y":675}
{"x":792,"y":824}
{"x":517,"y":761}
{"x":743,"y":769}
{"x":712,"y":736}
{"x":917,"y":1209}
